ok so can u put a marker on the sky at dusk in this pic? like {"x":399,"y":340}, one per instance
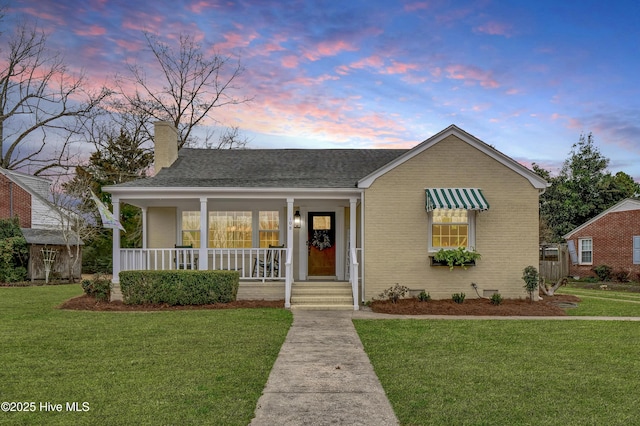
{"x":527,"y":77}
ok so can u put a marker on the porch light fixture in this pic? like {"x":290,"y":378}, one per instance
{"x":297,"y":220}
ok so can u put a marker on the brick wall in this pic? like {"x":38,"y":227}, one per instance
{"x":612,"y":237}
{"x":21,"y":202}
{"x":396,"y":224}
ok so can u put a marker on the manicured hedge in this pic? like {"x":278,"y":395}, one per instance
{"x":182,"y":287}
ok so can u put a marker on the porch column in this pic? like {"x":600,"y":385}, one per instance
{"x":144,"y":227}
{"x":116,"y":241}
{"x":203,"y":257}
{"x":354,"y":253}
{"x":116,"y":294}
{"x":289,"y":266}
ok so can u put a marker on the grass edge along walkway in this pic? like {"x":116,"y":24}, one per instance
{"x":506,"y":372}
{"x":178,"y":367}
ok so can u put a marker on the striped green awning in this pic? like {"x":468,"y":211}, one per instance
{"x":456,"y":198}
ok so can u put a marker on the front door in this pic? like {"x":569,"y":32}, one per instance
{"x":321,"y":244}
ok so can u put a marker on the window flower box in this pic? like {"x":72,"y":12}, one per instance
{"x":455,"y":257}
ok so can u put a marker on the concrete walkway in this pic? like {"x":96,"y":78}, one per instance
{"x":323,"y":377}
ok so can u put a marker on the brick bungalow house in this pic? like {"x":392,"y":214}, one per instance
{"x":319,"y":227}
{"x":612,"y":238}
{"x":27,"y":198}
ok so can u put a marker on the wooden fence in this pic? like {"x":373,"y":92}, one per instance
{"x":554,"y":262}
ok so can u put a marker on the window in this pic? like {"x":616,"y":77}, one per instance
{"x":191,"y":229}
{"x":269,"y":226}
{"x":450,"y":228}
{"x":230,"y":230}
{"x":636,"y":250}
{"x":585,"y":251}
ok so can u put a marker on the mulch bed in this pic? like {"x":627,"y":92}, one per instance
{"x":547,"y":307}
{"x":509,"y":307}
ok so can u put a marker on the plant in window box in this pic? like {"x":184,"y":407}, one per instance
{"x":457,"y":257}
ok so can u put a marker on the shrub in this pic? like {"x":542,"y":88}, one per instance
{"x":603,"y":272}
{"x":98,"y":287}
{"x":622,"y":276}
{"x":13,"y":251}
{"x":424,"y":296}
{"x":458,"y":297}
{"x":496,"y":299}
{"x":179,"y":287}
{"x":530,"y":277}
{"x":394,"y":293}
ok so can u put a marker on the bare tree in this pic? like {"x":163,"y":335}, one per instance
{"x":193,"y":85}
{"x":41,"y":105}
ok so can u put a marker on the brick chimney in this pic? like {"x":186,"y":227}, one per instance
{"x":166,"y":144}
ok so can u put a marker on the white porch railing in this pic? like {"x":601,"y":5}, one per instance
{"x":252,"y":263}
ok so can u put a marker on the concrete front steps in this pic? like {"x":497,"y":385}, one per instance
{"x":322,"y":295}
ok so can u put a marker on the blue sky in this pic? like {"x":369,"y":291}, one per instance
{"x":524,"y":76}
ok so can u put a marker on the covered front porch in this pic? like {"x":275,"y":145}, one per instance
{"x":272,"y":239}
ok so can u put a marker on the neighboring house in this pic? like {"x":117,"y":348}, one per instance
{"x":368,"y":217}
{"x":612,"y":238}
{"x":27,"y":197}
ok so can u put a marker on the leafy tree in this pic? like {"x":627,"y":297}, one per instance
{"x":42,"y":106}
{"x":582,"y":190}
{"x":117,"y":159}
{"x":13,"y":251}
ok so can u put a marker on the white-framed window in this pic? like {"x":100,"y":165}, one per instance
{"x":230,"y":229}
{"x":190,"y":231}
{"x":451,"y":228}
{"x":636,"y":250}
{"x":269,"y":228}
{"x":585,"y":251}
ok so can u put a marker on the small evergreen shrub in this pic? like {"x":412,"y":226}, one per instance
{"x":179,"y":287}
{"x":458,"y":297}
{"x":424,"y":296}
{"x":603,"y":272}
{"x":98,"y":287}
{"x":496,"y":299}
{"x":531,"y":280}
{"x":394,"y":293}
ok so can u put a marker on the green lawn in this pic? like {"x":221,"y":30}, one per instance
{"x":439,"y":372}
{"x":179,"y":367}
{"x":604,"y":303}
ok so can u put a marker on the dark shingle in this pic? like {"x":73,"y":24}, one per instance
{"x":270,"y":168}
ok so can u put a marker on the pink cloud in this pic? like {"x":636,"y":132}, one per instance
{"x":199,"y":6}
{"x":290,"y":61}
{"x":399,"y":68}
{"x":495,"y":28}
{"x":470,"y":75}
{"x":234,"y":40}
{"x":412,"y":7}
{"x":328,"y":48}
{"x":41,"y":14}
{"x":93,"y":30}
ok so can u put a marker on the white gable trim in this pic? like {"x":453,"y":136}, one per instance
{"x":627,"y":204}
{"x":533,"y":178}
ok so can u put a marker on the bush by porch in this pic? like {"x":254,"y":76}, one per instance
{"x":179,"y":287}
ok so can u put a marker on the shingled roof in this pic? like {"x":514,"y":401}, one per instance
{"x":269,"y":168}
